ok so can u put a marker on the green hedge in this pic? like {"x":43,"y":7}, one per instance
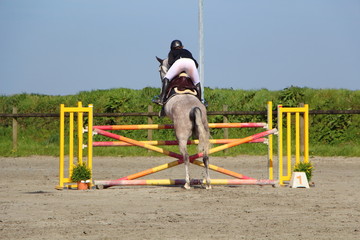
{"x":329,"y":134}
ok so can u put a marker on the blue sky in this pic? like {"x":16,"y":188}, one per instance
{"x":63,"y":47}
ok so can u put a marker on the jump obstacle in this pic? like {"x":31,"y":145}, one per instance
{"x":238,"y":179}
{"x":65,"y":180}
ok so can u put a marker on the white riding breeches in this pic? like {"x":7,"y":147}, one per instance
{"x":184,"y":65}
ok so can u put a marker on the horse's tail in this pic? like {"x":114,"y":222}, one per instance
{"x":202,"y":130}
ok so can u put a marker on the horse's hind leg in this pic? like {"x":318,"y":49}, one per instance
{"x":206,"y":163}
{"x":183,"y":150}
{"x":187,"y":175}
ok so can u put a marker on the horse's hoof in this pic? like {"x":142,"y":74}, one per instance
{"x":187,"y":186}
{"x":208,"y":187}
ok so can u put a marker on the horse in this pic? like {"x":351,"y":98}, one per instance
{"x":189,"y":117}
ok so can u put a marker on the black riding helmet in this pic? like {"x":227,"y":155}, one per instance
{"x":175,"y":44}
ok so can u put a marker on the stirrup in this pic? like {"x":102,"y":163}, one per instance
{"x":157,"y":100}
{"x":203,"y":101}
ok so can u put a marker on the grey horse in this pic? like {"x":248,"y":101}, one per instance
{"x":190,"y":119}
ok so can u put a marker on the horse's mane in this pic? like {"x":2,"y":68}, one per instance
{"x":164,"y":67}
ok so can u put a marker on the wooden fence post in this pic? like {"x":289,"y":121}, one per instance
{"x":15,"y":130}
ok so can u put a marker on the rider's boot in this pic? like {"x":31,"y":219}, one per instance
{"x":162,"y":112}
{"x":198,"y":89}
{"x":199,"y":95}
{"x":160,"y":100}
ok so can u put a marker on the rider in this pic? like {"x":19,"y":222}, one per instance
{"x":179,"y":60}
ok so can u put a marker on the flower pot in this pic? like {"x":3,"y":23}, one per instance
{"x":82,"y":185}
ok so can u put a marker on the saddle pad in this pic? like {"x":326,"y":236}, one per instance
{"x":186,"y":91}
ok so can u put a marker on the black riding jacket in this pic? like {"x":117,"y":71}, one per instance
{"x":180,"y":53}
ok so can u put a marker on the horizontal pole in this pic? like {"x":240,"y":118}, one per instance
{"x":151,"y":182}
{"x":135,"y":127}
{"x":170,"y":143}
{"x":170,"y":126}
{"x":237,"y":125}
{"x":292,"y":109}
{"x":25,"y":115}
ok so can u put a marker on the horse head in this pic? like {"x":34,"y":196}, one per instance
{"x":164,"y":66}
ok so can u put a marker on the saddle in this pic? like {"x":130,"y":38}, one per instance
{"x":182,"y":84}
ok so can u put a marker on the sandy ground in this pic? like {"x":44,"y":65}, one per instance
{"x":31,"y":208}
